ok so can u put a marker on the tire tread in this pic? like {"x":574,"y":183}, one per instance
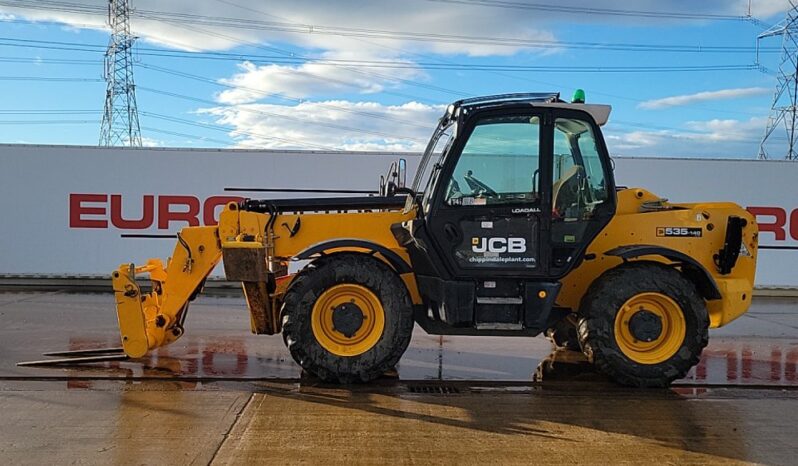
{"x":597,"y":317}
{"x":335,"y":269}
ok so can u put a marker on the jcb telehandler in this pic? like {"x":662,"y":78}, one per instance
{"x":513,"y":226}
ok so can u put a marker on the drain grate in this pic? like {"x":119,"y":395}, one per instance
{"x":434,"y":389}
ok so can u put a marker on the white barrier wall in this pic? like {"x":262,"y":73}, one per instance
{"x":83,"y":210}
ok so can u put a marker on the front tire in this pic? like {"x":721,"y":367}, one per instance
{"x":643,"y":324}
{"x":347,"y":318}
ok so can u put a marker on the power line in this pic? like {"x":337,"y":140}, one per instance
{"x":51,"y":79}
{"x":52,"y":45}
{"x":389,"y":64}
{"x":47,"y":61}
{"x":613,"y":69}
{"x":312,"y":29}
{"x":64,"y":7}
{"x":289,"y":57}
{"x":303,"y":28}
{"x":571,"y":9}
{"x":47,"y":122}
{"x":298,"y":60}
{"x":45,"y":21}
{"x":348,"y":62}
{"x":610,"y":46}
{"x":48,"y":112}
{"x":185,"y":135}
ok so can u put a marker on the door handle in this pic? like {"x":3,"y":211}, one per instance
{"x":451,"y":232}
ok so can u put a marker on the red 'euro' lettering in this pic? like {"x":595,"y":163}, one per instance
{"x":77,"y":210}
{"x":147,"y":214}
{"x":779,"y":221}
{"x":209,"y":208}
{"x":166,"y":215}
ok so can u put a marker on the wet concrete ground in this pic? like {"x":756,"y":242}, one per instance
{"x":221,"y":395}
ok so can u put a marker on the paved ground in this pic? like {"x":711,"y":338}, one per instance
{"x":221,"y":395}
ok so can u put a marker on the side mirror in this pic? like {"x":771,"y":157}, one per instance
{"x":387,"y":179}
{"x":395,"y":178}
{"x":401,"y":180}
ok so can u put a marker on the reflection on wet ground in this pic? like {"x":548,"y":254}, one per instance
{"x":220,"y":395}
{"x":761,"y":348}
{"x":156,"y":422}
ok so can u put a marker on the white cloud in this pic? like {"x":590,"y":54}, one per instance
{"x":255,"y":82}
{"x":633,"y":140}
{"x":150,"y":142}
{"x":709,"y":138}
{"x":727,"y":130}
{"x":687,"y":99}
{"x":337,"y":124}
{"x":765,"y":8}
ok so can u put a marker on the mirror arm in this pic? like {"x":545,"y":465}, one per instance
{"x":394,"y":190}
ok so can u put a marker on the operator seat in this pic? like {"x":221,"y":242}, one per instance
{"x":565,"y":190}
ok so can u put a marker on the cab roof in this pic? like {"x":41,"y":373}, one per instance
{"x":600,"y":113}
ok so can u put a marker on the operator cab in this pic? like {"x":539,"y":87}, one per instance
{"x":515,"y":187}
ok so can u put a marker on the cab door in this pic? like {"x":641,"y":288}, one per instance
{"x":488,"y":215}
{"x":582,"y":190}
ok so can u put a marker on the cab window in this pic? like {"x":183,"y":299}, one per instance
{"x":499,"y":163}
{"x":578,"y":179}
{"x":430,"y":167}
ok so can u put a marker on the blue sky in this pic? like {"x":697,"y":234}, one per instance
{"x":311,"y":89}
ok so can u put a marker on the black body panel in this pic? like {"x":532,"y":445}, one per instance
{"x":727,"y":257}
{"x":500,"y":307}
{"x":396,"y":262}
{"x":707,"y":285}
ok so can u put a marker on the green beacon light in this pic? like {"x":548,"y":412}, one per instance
{"x":579,"y":97}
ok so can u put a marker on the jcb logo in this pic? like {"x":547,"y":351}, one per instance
{"x":513,"y":245}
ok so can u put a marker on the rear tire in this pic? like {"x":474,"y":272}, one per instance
{"x":615,"y":346}
{"x":328,"y":353}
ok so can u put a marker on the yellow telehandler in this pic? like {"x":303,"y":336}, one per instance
{"x":513,"y":226}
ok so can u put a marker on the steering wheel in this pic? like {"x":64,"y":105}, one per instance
{"x":453,"y":190}
{"x":478,"y":186}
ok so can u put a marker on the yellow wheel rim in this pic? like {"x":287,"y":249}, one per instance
{"x":351,"y":298}
{"x":671,"y":336}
